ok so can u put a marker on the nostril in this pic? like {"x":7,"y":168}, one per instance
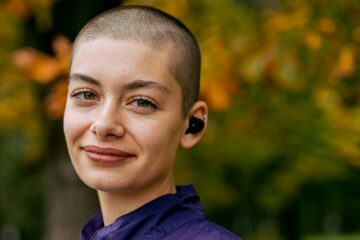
{"x":111,"y":135}
{"x":92,"y":129}
{"x":104,"y":129}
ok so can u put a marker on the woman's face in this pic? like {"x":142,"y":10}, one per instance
{"x":123,"y":120}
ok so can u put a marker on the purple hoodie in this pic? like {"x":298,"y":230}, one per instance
{"x":177,"y":216}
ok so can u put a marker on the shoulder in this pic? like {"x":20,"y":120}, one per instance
{"x":201,"y":229}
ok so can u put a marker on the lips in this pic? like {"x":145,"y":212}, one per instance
{"x":106,"y":155}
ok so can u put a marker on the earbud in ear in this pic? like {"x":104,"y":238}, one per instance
{"x":195,"y":125}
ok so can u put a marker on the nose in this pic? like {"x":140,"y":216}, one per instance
{"x":107,"y":123}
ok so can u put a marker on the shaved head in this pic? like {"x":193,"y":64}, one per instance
{"x":158,"y":30}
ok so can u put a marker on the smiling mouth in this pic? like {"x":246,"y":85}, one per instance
{"x":106,"y":155}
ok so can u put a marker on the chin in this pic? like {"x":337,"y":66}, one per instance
{"x":99,"y":183}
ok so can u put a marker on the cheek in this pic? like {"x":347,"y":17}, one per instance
{"x":74,"y":124}
{"x":157,"y":136}
{"x":66,"y":124}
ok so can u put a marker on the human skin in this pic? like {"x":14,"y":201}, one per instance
{"x":123,"y":122}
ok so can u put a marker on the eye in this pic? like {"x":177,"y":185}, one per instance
{"x":84,"y":95}
{"x":144,"y":103}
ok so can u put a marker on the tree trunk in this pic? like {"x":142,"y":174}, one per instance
{"x":69,"y":202}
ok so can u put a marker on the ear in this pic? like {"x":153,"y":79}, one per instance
{"x":200,"y":111}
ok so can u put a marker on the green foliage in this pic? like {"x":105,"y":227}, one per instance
{"x":282,"y":144}
{"x":343,"y":237}
{"x":282,"y":87}
{"x":21,"y":138}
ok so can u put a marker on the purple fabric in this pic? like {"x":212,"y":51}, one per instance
{"x":173,"y":216}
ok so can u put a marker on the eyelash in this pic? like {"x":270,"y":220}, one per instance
{"x":79,"y":94}
{"x":145,"y":100}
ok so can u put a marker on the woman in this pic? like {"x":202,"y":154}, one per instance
{"x":132,"y":101}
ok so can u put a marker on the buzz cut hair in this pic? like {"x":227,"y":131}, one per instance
{"x":158,"y":30}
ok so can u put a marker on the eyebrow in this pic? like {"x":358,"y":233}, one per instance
{"x":133,"y":85}
{"x":137,"y":84}
{"x":84,"y":77}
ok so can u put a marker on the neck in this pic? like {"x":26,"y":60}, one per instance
{"x":117,"y":204}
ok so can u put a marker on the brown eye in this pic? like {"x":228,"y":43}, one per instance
{"x":84,"y":95}
{"x":143,"y":104}
{"x":89,"y":96}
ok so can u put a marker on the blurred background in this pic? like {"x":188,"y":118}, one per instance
{"x":281,"y":156}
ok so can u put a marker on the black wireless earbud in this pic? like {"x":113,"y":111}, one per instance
{"x":195,"y":125}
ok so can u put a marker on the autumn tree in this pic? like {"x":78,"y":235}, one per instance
{"x":281,"y":154}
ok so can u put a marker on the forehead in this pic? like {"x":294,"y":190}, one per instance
{"x":108,"y":49}
{"x":106,"y":57}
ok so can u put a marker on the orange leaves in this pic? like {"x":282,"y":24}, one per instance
{"x":344,"y":122}
{"x":253,"y":67}
{"x":56,"y":100}
{"x":37,"y":66}
{"x":12,"y":109}
{"x":23,"y":8}
{"x":356,"y":33}
{"x":328,"y":100}
{"x":61,"y":46}
{"x":19,"y":112}
{"x":41,"y":67}
{"x":19,"y":8}
{"x":176,"y":8}
{"x":326,"y":25}
{"x":346,"y":61}
{"x":313,"y":40}
{"x":218,"y":76}
{"x":45,"y":69}
{"x":284,"y":22}
{"x":280,"y":21}
{"x":62,"y":49}
{"x":219,"y":65}
{"x":218,"y":94}
{"x":275,"y":68}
